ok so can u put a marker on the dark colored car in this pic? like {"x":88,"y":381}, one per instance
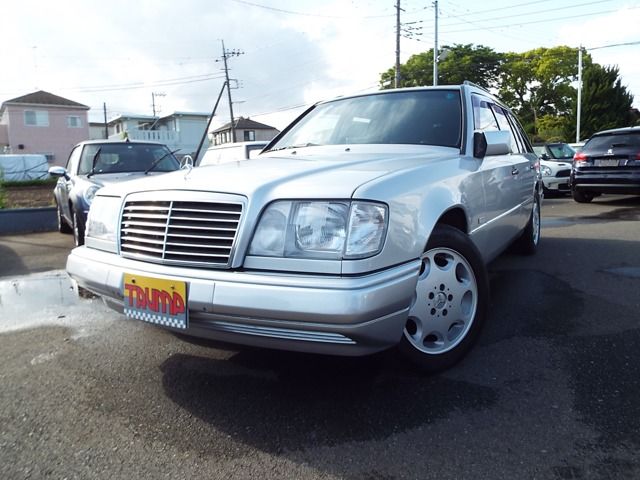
{"x":95,"y":163}
{"x":608,"y":163}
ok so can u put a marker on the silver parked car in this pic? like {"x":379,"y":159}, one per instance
{"x":95,"y":163}
{"x":365,"y":224}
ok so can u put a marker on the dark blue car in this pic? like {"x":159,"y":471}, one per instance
{"x":93,"y":164}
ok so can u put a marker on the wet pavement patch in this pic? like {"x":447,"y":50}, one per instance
{"x":630,"y":272}
{"x":32,"y":300}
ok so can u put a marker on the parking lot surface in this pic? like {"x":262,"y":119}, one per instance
{"x":550,"y":391}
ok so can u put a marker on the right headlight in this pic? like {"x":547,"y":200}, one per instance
{"x":102,"y":223}
{"x":545,"y":171}
{"x":321,"y":230}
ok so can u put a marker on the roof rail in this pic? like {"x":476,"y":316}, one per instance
{"x":471,"y":84}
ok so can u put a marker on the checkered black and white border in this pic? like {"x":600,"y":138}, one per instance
{"x":157,"y":319}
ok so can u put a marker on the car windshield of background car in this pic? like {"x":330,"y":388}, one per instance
{"x":418,"y":117}
{"x":561,"y":151}
{"x":121,"y":158}
{"x":605,"y":142}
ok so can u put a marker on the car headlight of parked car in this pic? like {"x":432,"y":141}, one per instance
{"x":89,"y":193}
{"x":102,"y":223}
{"x":321,"y":230}
{"x":545,"y":171}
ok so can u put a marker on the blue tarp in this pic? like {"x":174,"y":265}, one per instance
{"x":23,"y":167}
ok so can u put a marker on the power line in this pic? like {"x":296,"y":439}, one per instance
{"x":614,"y":45}
{"x":546,"y":20}
{"x":535,"y":12}
{"x":138,"y":85}
{"x":317,"y":15}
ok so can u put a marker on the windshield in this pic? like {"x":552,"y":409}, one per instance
{"x":561,"y":151}
{"x":125,"y":157}
{"x":432,"y":117}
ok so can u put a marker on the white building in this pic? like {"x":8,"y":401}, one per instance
{"x":180,"y":130}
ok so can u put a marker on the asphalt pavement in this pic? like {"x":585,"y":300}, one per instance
{"x":551,"y":390}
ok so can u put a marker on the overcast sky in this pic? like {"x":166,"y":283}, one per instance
{"x":295,"y":52}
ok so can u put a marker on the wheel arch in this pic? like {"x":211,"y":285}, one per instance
{"x":454,"y":217}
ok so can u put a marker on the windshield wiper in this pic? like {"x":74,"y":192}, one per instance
{"x":94,"y":161}
{"x":298,"y":145}
{"x":157,"y":160}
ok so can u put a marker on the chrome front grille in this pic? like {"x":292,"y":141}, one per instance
{"x":196,"y":233}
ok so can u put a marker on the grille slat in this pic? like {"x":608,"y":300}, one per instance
{"x":175,"y":218}
{"x":183,"y":233}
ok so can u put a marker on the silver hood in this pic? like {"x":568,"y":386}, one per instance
{"x":313,"y":172}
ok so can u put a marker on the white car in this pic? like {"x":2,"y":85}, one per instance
{"x":555,"y":166}
{"x":232,"y":152}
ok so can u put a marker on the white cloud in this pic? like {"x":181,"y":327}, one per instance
{"x":338,"y":47}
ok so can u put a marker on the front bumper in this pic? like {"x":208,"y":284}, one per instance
{"x":560,"y":184}
{"x":310,"y":313}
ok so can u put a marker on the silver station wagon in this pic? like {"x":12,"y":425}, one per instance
{"x":366,"y":224}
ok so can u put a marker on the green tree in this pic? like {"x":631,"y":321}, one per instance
{"x":606,"y":103}
{"x":539,"y":82}
{"x":553,"y":128}
{"x":478,"y":64}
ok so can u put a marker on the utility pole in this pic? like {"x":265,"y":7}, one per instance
{"x":579,"y":109}
{"x":435,"y":47}
{"x":206,"y":130}
{"x":397,"y":80}
{"x":225,"y":54}
{"x":153,"y":100}
{"x":106,"y":128}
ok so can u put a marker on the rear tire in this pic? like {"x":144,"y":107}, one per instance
{"x":528,"y":241}
{"x":450,"y":303}
{"x":581,"y":197}
{"x":78,"y":228}
{"x":63,"y":226}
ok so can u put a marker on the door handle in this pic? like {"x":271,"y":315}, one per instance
{"x":515,"y":171}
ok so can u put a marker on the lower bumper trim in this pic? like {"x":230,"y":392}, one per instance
{"x":280,"y":333}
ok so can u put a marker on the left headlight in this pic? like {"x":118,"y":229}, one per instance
{"x":320,"y":230}
{"x":102,"y":222}
{"x":90,"y":193}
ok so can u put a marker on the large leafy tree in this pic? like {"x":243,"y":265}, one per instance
{"x":478,"y":64}
{"x":538,"y":83}
{"x":606,"y":103}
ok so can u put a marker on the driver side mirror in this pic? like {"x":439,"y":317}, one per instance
{"x":491,"y":143}
{"x":58,"y":172}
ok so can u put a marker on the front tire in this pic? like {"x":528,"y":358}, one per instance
{"x":78,"y":228}
{"x":581,"y":197}
{"x":450,"y":302}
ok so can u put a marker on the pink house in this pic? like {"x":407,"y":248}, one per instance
{"x":44,"y":123}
